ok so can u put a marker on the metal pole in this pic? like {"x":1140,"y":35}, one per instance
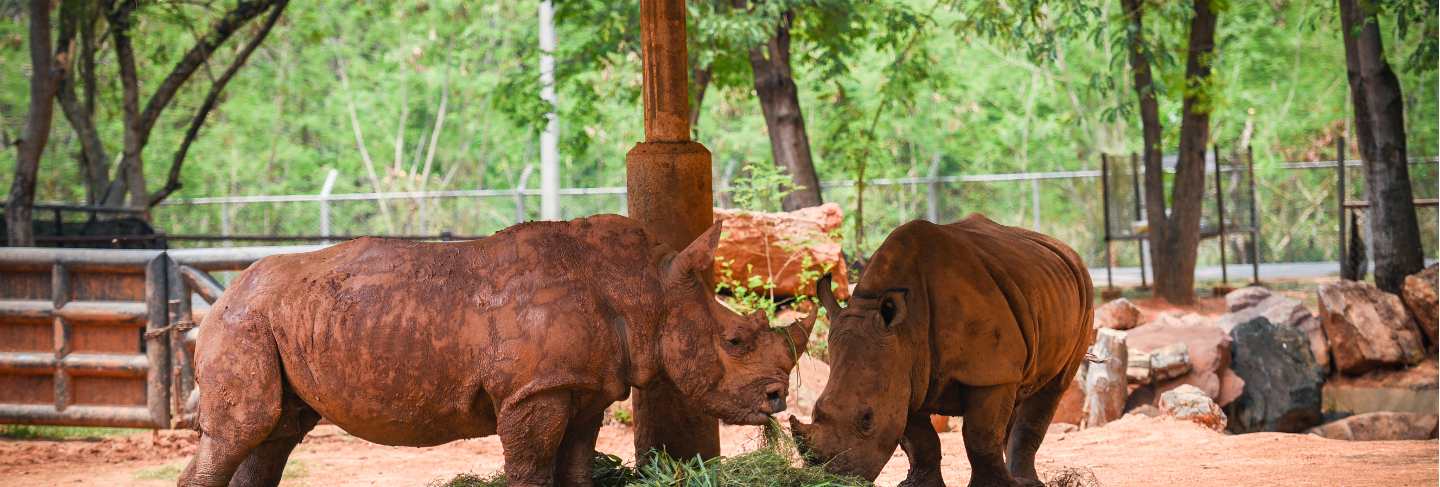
{"x":1340,"y":200}
{"x":225,"y":224}
{"x":1139,"y":213}
{"x":325,"y":203}
{"x":932,"y":200}
{"x":1105,"y":209}
{"x":520,"y":215}
{"x":1254,"y":216}
{"x":1220,"y":213}
{"x":549,"y":139}
{"x":1035,"y":203}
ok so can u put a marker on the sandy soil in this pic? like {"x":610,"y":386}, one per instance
{"x":1135,"y":451}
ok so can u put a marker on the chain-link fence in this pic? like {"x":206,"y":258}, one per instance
{"x":1296,"y":209}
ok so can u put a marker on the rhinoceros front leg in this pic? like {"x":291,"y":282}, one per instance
{"x":531,"y":431}
{"x":986,"y":427}
{"x":577,"y":451}
{"x":922,"y":446}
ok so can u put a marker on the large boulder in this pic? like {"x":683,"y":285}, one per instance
{"x":1207,"y":345}
{"x":1245,"y":297}
{"x":1368,"y":328}
{"x":1191,"y":404}
{"x":1419,"y":294}
{"x":1281,"y":310}
{"x":1119,"y":314}
{"x":789,"y":249}
{"x":1282,"y":387}
{"x":1381,"y":426}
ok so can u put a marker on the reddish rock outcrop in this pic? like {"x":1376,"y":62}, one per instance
{"x":789,"y":249}
{"x":1368,"y":328}
{"x":1119,"y":314}
{"x":1420,"y":296}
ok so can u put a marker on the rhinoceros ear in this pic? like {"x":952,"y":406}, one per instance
{"x":892,"y":306}
{"x":698,"y":259}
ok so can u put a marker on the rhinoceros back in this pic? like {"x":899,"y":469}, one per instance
{"x":1006,"y":304}
{"x":451,"y":331}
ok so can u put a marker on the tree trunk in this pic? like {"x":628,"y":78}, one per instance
{"x":1174,"y":235}
{"x":43,"y":79}
{"x":1380,"y":126}
{"x":780,"y":102}
{"x":94,"y":164}
{"x":1182,"y":237}
{"x":699,"y":82}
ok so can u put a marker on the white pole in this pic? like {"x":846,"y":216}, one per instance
{"x":325,"y":204}
{"x":549,"y":139}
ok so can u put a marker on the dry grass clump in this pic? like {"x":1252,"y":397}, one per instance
{"x":1073,"y":477}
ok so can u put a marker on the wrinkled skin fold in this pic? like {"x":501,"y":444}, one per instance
{"x":529,"y":334}
{"x":970,"y":319}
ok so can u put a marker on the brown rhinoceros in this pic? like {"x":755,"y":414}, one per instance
{"x":529,"y":333}
{"x":970,"y":319}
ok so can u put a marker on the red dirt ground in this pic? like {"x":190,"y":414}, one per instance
{"x":1135,"y":451}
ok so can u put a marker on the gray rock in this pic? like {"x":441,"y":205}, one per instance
{"x":1281,"y":310}
{"x":1245,"y":297}
{"x":1282,"y":387}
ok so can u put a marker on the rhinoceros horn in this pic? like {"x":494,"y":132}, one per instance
{"x":799,"y":331}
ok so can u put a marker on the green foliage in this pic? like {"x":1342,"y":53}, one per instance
{"x":34,"y":432}
{"x":761,"y":187}
{"x":772,"y":465}
{"x":888,"y":88}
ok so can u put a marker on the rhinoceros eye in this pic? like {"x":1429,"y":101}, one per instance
{"x":866,"y":421}
{"x":735,"y":342}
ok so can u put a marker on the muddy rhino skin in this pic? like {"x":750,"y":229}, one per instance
{"x":528,"y":334}
{"x":970,"y":319}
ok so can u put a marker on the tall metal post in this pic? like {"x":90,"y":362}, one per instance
{"x":1220,"y":212}
{"x":1105,"y":209}
{"x":932,"y":197}
{"x":325,"y":204}
{"x":1254,"y":217}
{"x":1139,"y":213}
{"x":1340,"y":201}
{"x":668,"y":188}
{"x":550,"y":138}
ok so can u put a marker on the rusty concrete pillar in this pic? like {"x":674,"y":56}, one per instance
{"x":667,"y":180}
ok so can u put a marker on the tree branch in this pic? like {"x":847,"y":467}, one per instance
{"x":212,"y":98}
{"x":196,"y":56}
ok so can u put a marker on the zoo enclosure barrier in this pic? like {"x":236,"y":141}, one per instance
{"x":92,"y":337}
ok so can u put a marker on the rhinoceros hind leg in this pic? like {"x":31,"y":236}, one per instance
{"x":531,"y":431}
{"x":574,"y":465}
{"x":987,"y":414}
{"x":266,"y":463}
{"x":922,"y":446}
{"x":1032,"y":420}
{"x":241,"y":395}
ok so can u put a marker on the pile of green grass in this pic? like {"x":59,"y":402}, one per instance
{"x":773,"y":465}
{"x":763,"y":467}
